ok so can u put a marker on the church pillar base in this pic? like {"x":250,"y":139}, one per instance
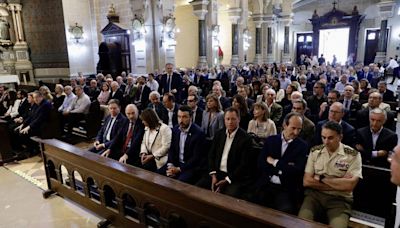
{"x":270,"y":59}
{"x":202,"y":63}
{"x":23,"y":66}
{"x":235,"y":60}
{"x":380,"y":57}
{"x":286,"y":58}
{"x":258,"y":59}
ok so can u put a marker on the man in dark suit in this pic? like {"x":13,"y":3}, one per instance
{"x":112,"y":125}
{"x":243,"y":91}
{"x":350,"y":105}
{"x":365,"y":73}
{"x":92,"y":91}
{"x":229,"y":158}
{"x":32,"y":126}
{"x":157,"y":106}
{"x":275,"y":110}
{"x":281,"y":162}
{"x":315,"y":101}
{"x":126,"y":145}
{"x":170,"y":82}
{"x":172,"y":109}
{"x":142,"y":94}
{"x":186,"y":155}
{"x":197,"y":116}
{"x":336,"y":113}
{"x":375,"y":141}
{"x":116,"y":93}
{"x":387,"y":95}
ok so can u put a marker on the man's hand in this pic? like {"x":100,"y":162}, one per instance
{"x":18,"y":120}
{"x":106,"y":153}
{"x":270,"y":160}
{"x":221,"y":184}
{"x":146,"y":158}
{"x":172,"y":171}
{"x":17,"y":129}
{"x":100,"y":146}
{"x":65,"y":113}
{"x":25,"y":130}
{"x":174,"y":91}
{"x":359,"y":147}
{"x":382,"y":153}
{"x":214,"y":181}
{"x":123,"y":158}
{"x":96,"y":143}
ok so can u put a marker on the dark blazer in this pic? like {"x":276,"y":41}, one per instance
{"x":290,"y":167}
{"x":176,"y":83}
{"x":136,"y":141}
{"x":118,"y":95}
{"x":23,"y":109}
{"x":388,"y":95}
{"x":194,"y":154}
{"x":352,"y":113}
{"x":161,"y":111}
{"x":144,"y":100}
{"x":199,"y":116}
{"x":92,"y":93}
{"x":38,"y":116}
{"x":120,"y":121}
{"x":240,"y":154}
{"x":363,"y":119}
{"x":174,"y":116}
{"x":276,"y":113}
{"x":225,"y":102}
{"x":387,"y":140}
{"x":348,"y":131}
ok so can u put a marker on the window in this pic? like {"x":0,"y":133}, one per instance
{"x":309,"y":39}
{"x":300,"y":39}
{"x":371,"y":36}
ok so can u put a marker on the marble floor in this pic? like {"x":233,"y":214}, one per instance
{"x":22,"y":205}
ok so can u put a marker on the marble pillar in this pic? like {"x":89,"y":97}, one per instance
{"x":382,"y":43}
{"x":200,"y":10}
{"x":235,"y":16}
{"x":258,"y":57}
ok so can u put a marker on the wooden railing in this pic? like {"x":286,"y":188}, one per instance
{"x":127,"y":196}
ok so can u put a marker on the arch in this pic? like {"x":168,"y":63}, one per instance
{"x":110,"y":197}
{"x":152,"y":215}
{"x":64,"y":173}
{"x":93,"y":189}
{"x":129,"y":205}
{"x":79,"y":183}
{"x":52,"y":169}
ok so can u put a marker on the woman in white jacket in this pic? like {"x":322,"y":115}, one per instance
{"x":156,"y":142}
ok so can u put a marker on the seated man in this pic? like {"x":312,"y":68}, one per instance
{"x":32,"y":126}
{"x":126,"y":145}
{"x":375,"y":141}
{"x":333,"y":96}
{"x":351,"y":106}
{"x":112,"y":125}
{"x":281,"y":162}
{"x":275,"y":110}
{"x":375,"y":101}
{"x":336,"y":113}
{"x":172,"y":109}
{"x":77,"y":110}
{"x":228,"y":158}
{"x":192,"y":102}
{"x":331,"y":174}
{"x":158,"y":107}
{"x":186,"y":155}
{"x":387,"y":95}
{"x":308,"y":131}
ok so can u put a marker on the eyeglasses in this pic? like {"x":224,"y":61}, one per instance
{"x":335,"y":112}
{"x":191,"y":100}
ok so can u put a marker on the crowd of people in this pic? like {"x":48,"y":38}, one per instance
{"x":279,"y":136}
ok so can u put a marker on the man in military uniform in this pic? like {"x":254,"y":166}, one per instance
{"x":331,"y":173}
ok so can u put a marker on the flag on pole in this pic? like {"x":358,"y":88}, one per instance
{"x":220,"y":53}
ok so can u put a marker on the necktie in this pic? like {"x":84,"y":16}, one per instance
{"x":168,"y":83}
{"x":107,"y":130}
{"x":346,"y":105}
{"x":128,"y":137}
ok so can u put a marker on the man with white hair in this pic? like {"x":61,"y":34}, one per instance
{"x":341,"y":84}
{"x":350,"y":105}
{"x":116,"y":93}
{"x":275,"y":110}
{"x":225,"y":102}
{"x":375,"y":141}
{"x":157,"y":106}
{"x":121,"y":83}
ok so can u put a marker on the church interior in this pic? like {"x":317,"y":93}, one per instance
{"x":199,"y":113}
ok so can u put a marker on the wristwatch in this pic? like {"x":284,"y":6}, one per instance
{"x":321,"y":177}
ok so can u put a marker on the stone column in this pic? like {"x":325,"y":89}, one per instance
{"x":258,"y":22}
{"x":200,"y":10}
{"x":234,"y":16}
{"x":386,"y":10}
{"x":270,"y":27}
{"x":286,"y":21}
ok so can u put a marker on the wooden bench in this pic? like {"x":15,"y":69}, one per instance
{"x":6,"y":154}
{"x":127,"y":196}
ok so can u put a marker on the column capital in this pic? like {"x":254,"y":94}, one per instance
{"x":258,"y":19}
{"x":386,"y":9}
{"x":234,"y":15}
{"x":270,"y":20}
{"x":286,"y":19}
{"x":200,"y":8}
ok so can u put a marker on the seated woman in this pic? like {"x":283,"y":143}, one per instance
{"x":156,"y":142}
{"x":59,"y":96}
{"x":45,"y":91}
{"x":213,"y":116}
{"x":240,"y":104}
{"x":103,"y":97}
{"x":261,"y":125}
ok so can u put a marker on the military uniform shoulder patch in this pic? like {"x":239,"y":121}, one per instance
{"x":351,"y":151}
{"x":317,"y":148}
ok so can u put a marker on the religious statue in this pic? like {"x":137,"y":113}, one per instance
{"x":111,"y":10}
{"x":4,"y":30}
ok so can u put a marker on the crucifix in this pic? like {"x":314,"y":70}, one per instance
{"x":334,"y":4}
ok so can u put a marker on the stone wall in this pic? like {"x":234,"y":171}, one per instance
{"x":44,"y":30}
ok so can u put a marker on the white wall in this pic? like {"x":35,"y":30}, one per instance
{"x":81,"y":58}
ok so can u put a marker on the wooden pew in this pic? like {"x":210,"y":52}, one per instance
{"x":127,"y":196}
{"x":6,"y":154}
{"x":374,"y":196}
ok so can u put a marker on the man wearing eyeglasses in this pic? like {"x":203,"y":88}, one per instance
{"x":315,"y":101}
{"x":192,"y":102}
{"x":395,"y":167}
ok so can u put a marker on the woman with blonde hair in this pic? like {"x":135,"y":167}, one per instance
{"x":45,"y":91}
{"x":156,"y":142}
{"x":213,"y":116}
{"x":59,"y":96}
{"x":261,"y":125}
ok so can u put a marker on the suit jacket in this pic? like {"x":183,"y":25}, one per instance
{"x":174,"y":115}
{"x":120,"y":121}
{"x":142,"y":97}
{"x":354,"y":107}
{"x":240,"y":153}
{"x":276,"y":113}
{"x":176,"y":83}
{"x":198,"y":119}
{"x":290,"y":167}
{"x":117,"y":144}
{"x":225,"y":102}
{"x":117,"y":95}
{"x":308,"y":131}
{"x":387,"y":140}
{"x":216,"y":124}
{"x":388,"y":95}
{"x":363,"y":119}
{"x":23,"y":109}
{"x":38,"y":116}
{"x":161,"y":111}
{"x":92,"y":93}
{"x":348,"y":132}
{"x":194,"y":155}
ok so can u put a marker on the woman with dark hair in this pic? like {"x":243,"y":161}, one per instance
{"x":156,"y":142}
{"x":213,"y":116}
{"x":240,"y":104}
{"x":256,"y":90}
{"x":280,"y":93}
{"x":261,"y":125}
{"x":364,"y":90}
{"x":12,"y":104}
{"x":288,"y":93}
{"x":104,"y":94}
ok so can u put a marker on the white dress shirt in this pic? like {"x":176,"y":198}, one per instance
{"x":228,"y":143}
{"x":375,"y":137}
{"x":275,"y":179}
